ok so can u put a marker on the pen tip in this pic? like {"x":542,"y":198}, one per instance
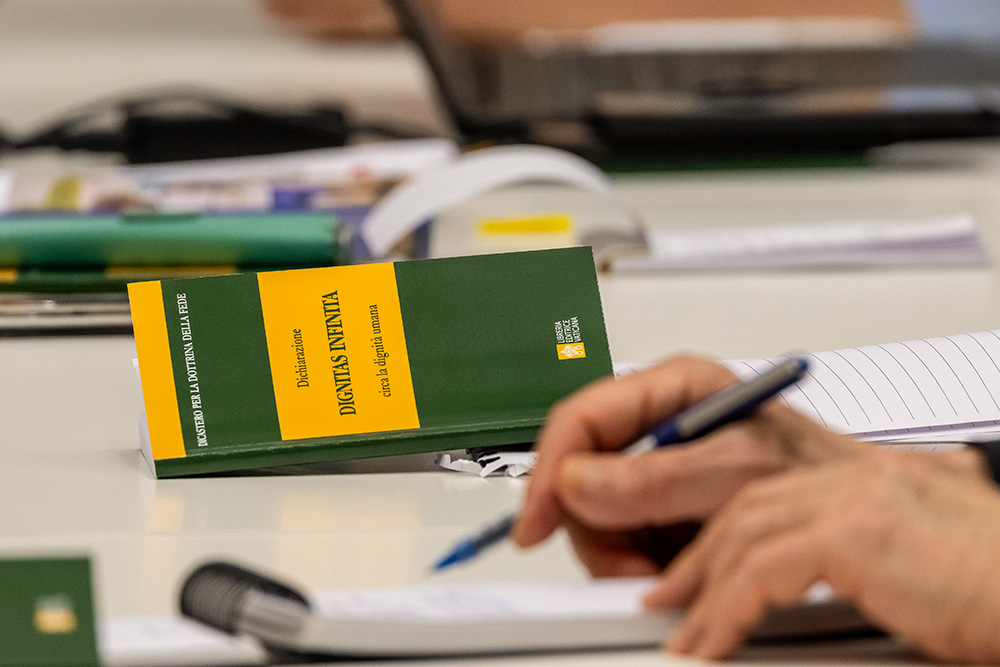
{"x":444,"y":563}
{"x":462,"y":552}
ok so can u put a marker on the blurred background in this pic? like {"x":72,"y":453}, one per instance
{"x":57,"y":54}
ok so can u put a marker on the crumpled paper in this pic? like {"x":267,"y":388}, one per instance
{"x":513,"y":464}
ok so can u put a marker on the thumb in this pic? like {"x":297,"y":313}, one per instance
{"x":614,"y":492}
{"x":668,"y":485}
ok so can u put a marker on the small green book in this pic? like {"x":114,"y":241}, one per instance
{"x":47,"y":613}
{"x":312,"y":365}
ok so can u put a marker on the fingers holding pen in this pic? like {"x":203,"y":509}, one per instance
{"x":690,"y":482}
{"x":684,"y":482}
{"x":606,"y":416}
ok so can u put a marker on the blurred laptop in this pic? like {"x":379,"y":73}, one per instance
{"x":683,"y":78}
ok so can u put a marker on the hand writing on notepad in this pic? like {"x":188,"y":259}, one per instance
{"x":603,"y":498}
{"x":785,"y":502}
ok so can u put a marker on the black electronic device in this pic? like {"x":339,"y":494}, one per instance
{"x":646,"y":78}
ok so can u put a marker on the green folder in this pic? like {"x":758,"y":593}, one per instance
{"x":256,"y":239}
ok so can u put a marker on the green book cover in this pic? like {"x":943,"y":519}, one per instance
{"x":310,"y":365}
{"x":172,"y":239}
{"x":47,"y":613}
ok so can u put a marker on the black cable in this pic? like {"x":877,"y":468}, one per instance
{"x":190,"y":123}
{"x":126,"y":106}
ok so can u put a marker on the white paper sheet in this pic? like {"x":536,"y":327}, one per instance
{"x":170,"y":641}
{"x":602,"y":597}
{"x":953,"y":239}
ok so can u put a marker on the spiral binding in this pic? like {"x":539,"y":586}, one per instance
{"x":215,"y":593}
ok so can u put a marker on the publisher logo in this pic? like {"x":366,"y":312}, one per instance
{"x":569,"y":343}
{"x":54,"y":615}
{"x":571,"y":351}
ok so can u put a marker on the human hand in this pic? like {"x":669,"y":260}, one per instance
{"x":910,"y":538}
{"x":629,"y":515}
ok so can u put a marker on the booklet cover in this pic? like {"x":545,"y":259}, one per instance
{"x":47,"y":613}
{"x":310,"y":365}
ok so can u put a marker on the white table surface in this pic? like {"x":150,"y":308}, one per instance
{"x":72,"y":480}
{"x":71,"y":477}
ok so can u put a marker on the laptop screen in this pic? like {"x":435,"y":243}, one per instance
{"x":558,"y":71}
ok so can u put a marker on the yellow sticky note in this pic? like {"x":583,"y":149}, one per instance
{"x":548,"y":223}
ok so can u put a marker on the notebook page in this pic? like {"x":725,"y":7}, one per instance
{"x":147,"y":641}
{"x":900,"y":389}
{"x":607,"y":597}
{"x":950,"y":239}
{"x":457,"y":619}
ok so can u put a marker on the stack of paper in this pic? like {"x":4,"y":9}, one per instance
{"x":950,"y":240}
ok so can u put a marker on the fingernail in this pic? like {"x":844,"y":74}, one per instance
{"x":583,"y":478}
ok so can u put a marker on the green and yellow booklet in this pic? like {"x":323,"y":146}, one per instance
{"x":312,"y":365}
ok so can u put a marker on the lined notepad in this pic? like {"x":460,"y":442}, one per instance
{"x":933,"y":393}
{"x":936,"y":389}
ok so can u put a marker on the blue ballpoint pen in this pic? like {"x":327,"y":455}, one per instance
{"x":730,"y":404}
